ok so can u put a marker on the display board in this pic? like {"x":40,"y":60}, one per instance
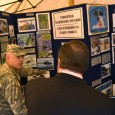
{"x":42,"y":33}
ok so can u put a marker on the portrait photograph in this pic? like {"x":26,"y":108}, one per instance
{"x":3,"y":27}
{"x":11,"y":30}
{"x":95,"y":45}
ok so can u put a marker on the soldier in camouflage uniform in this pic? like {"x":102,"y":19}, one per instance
{"x":10,"y":74}
{"x":4,"y":106}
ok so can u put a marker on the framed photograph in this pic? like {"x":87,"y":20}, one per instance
{"x":46,"y":75}
{"x":12,"y":40}
{"x":95,"y":60}
{"x":105,"y":88}
{"x":105,"y":70}
{"x":95,"y":45}
{"x":44,"y":45}
{"x":26,"y":24}
{"x":43,"y":21}
{"x":113,"y":55}
{"x":106,"y":58}
{"x":29,"y":50}
{"x":30,"y":61}
{"x":11,"y":30}
{"x":4,"y":46}
{"x":3,"y":38}
{"x":45,"y":63}
{"x":113,"y":39}
{"x":68,"y":25}
{"x":26,"y":40}
{"x":105,"y":44}
{"x":113,"y":17}
{"x":3,"y":27}
{"x":98,"y":21}
{"x":3,"y":58}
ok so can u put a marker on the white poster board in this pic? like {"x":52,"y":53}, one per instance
{"x":68,"y":24}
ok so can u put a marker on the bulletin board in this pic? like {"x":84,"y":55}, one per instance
{"x":42,"y":33}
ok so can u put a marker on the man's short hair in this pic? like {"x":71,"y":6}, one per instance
{"x":16,"y":49}
{"x":74,"y":55}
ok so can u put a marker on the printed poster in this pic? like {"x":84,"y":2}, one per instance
{"x":68,"y":25}
{"x":98,"y":21}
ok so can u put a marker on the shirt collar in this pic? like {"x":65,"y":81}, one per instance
{"x":71,"y":73}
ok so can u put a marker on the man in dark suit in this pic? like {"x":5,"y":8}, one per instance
{"x":67,"y":93}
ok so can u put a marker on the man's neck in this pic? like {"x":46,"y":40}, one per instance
{"x":79,"y":75}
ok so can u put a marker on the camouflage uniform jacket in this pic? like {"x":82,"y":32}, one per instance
{"x":11,"y":89}
{"x":4,"y":106}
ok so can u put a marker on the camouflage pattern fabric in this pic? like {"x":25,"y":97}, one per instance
{"x":11,"y":89}
{"x":30,"y":71}
{"x":4,"y":106}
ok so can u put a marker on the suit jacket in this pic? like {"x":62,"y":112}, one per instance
{"x":65,"y":94}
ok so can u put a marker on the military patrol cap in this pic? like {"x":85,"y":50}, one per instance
{"x":16,"y":49}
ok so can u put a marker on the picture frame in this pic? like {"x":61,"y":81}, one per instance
{"x":4,"y":46}
{"x":105,"y":88}
{"x":3,"y":27}
{"x":44,"y":45}
{"x":113,"y":39}
{"x":105,"y":70}
{"x":113,"y":55}
{"x":43,"y":21}
{"x":3,"y":58}
{"x":113,"y":18}
{"x":95,"y":45}
{"x":30,"y":60}
{"x":26,"y":24}
{"x":105,"y":44}
{"x":11,"y":30}
{"x":26,"y":39}
{"x":3,"y":38}
{"x":29,"y":50}
{"x":45,"y":63}
{"x":98,"y":21}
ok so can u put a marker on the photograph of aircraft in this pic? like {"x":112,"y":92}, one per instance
{"x":44,"y":45}
{"x":26,"y":40}
{"x":26,"y":24}
{"x":45,"y":63}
